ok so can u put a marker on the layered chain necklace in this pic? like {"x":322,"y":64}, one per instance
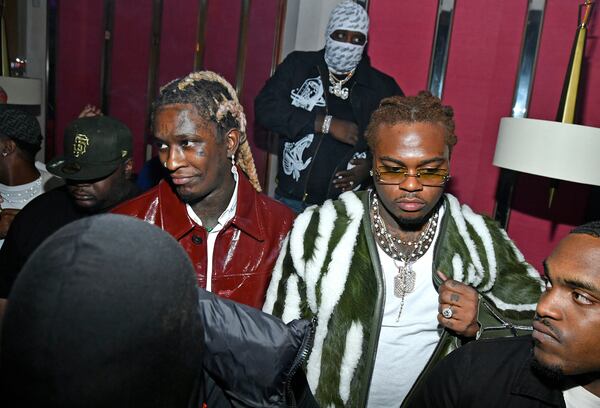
{"x":404,"y":281}
{"x":336,"y":84}
{"x":17,"y":199}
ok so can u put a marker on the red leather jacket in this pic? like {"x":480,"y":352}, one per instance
{"x":245,"y":250}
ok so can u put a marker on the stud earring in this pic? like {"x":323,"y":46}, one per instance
{"x":4,"y":154}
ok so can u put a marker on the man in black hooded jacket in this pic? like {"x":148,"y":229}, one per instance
{"x":319,"y":104}
{"x":100,"y":318}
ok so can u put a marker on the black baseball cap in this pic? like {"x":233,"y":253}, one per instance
{"x":93,"y":148}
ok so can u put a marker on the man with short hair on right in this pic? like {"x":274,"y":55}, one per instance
{"x":400,"y":275}
{"x":557,"y":366}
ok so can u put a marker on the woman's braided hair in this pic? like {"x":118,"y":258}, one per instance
{"x":215,"y":101}
{"x":409,"y":109}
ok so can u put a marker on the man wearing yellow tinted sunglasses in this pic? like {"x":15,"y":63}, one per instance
{"x":400,"y":275}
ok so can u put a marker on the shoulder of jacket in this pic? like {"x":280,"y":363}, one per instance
{"x":303,"y":58}
{"x":138,"y":204}
{"x":273,"y":210}
{"x":347,"y":207}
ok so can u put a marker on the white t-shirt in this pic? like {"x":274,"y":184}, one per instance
{"x":19,"y":196}
{"x":211,"y":239}
{"x":579,"y":397}
{"x":405,"y":345}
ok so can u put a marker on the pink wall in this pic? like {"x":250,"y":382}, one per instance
{"x":129,"y":82}
{"x":80,"y":42}
{"x":78,"y":57}
{"x":481,"y":73}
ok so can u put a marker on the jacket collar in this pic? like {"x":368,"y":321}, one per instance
{"x":246,"y":215}
{"x":176,"y":221}
{"x":528,"y":384}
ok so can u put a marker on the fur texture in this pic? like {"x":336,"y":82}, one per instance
{"x":330,"y":270}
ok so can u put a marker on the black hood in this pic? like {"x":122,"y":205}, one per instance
{"x":103,"y":314}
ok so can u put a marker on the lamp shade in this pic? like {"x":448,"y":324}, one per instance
{"x":552,"y":149}
{"x":22,"y":91}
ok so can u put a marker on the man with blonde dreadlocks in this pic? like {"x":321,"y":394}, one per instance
{"x":211,"y":203}
{"x":399,"y":275}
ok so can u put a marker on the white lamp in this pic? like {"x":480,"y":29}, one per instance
{"x":22,"y":91}
{"x":552,"y":149}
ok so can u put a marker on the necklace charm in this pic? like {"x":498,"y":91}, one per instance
{"x":338,"y":91}
{"x":336,"y":87}
{"x":405,"y":281}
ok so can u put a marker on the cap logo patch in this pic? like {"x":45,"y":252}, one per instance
{"x":80,"y":145}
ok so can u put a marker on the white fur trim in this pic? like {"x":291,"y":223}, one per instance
{"x":291,"y":309}
{"x":482,"y":230}
{"x":297,"y":240}
{"x":461,"y":225}
{"x":457,"y":268}
{"x":314,"y":265}
{"x":333,"y":284}
{"x":508,"y":306}
{"x":271,"y":295}
{"x":470,"y":273}
{"x":352,"y":354}
{"x":531,"y":271}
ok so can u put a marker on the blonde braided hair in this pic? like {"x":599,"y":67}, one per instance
{"x":215,"y":101}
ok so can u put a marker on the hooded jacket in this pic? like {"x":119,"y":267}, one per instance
{"x":288,"y":104}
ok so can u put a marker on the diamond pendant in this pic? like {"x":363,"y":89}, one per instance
{"x":338,"y":91}
{"x":404,"y":282}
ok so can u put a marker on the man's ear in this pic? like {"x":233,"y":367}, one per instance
{"x":128,"y":168}
{"x":232,"y":140}
{"x":7,"y":146}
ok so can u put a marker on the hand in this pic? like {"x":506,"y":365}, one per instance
{"x":89,"y":111}
{"x":347,"y":180}
{"x":344,"y":131}
{"x":463,"y":300}
{"x":6,"y":218}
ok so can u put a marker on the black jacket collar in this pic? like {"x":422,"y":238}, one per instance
{"x":529,"y":384}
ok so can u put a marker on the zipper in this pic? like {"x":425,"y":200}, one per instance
{"x":376,"y":326}
{"x":504,"y":324}
{"x":308,"y":174}
{"x":351,"y":154}
{"x":305,"y":348}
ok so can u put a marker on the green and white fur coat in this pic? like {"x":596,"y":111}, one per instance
{"x":329,"y":269}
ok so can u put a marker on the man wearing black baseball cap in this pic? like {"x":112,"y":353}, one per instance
{"x":97,"y":167}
